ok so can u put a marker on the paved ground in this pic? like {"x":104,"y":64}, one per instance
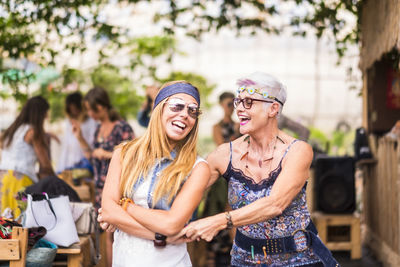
{"x":367,"y":259}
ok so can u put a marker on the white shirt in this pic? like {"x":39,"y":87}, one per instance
{"x":19,"y":155}
{"x":71,"y":152}
{"x":129,"y":250}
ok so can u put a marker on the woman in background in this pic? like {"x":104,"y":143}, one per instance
{"x":71,"y":152}
{"x":110,"y":132}
{"x":226,"y":130}
{"x":24,"y":144}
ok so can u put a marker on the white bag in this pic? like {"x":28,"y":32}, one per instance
{"x":55,"y":215}
{"x":84,"y":215}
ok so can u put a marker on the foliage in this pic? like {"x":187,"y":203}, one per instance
{"x":318,"y":140}
{"x":199,"y":81}
{"x":120,"y":89}
{"x":249,"y":16}
{"x":338,"y":143}
{"x":205,"y":146}
{"x":123,"y":89}
{"x":330,"y":17}
{"x":40,"y":30}
{"x":30,"y":26}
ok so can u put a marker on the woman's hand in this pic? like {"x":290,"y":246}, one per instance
{"x":177,"y":239}
{"x":100,"y":153}
{"x":105,"y":225}
{"x":205,"y":228}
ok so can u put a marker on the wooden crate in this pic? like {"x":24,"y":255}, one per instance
{"x":332,"y":231}
{"x":14,"y":249}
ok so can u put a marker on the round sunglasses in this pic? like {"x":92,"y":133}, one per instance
{"x":248,"y":102}
{"x":177,"y":105}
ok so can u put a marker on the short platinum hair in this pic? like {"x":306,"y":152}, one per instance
{"x":267,"y":83}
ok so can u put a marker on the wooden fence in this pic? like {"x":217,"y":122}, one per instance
{"x":382,"y":201}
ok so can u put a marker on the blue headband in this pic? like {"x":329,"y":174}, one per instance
{"x":177,"y":88}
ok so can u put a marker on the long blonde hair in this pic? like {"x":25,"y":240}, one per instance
{"x":139,"y":156}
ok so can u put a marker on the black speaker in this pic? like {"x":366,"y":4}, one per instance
{"x":334,"y":188}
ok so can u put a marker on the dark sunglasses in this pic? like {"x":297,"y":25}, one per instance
{"x":177,"y":105}
{"x":248,"y":102}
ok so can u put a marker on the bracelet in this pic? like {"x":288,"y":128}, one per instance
{"x":124,"y":202}
{"x":229,"y":223}
{"x":160,"y":240}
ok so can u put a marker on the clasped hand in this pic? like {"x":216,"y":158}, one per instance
{"x":206,"y":229}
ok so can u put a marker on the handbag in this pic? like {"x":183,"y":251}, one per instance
{"x":55,"y":215}
{"x":84,"y":215}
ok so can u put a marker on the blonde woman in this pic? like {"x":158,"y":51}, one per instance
{"x":159,"y":180}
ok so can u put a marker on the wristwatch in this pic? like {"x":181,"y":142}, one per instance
{"x":160,"y":240}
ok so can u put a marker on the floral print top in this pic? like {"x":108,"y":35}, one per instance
{"x":243,"y":191}
{"x":122,"y":131}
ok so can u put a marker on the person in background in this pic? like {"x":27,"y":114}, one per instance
{"x":110,"y":132}
{"x":143,"y":115}
{"x":266,"y":170}
{"x":71,"y":151}
{"x":224,"y":131}
{"x":156,"y":182}
{"x":24,"y":144}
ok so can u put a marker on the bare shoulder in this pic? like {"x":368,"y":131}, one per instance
{"x":219,"y":158}
{"x":302,"y":151}
{"x":117,"y":151}
{"x":202,"y":167}
{"x":29,"y":136}
{"x":221,"y":151}
{"x":116,"y":155}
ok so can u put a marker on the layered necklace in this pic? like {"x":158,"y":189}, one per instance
{"x":271,"y":145}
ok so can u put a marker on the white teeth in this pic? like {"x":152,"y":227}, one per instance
{"x":179,"y":124}
{"x":243,"y":118}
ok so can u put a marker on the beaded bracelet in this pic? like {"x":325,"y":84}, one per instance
{"x":124,"y":202}
{"x":229,"y":223}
